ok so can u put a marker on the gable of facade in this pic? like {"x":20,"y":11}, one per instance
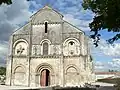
{"x":46,"y":14}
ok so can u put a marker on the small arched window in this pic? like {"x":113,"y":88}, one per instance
{"x":46,"y":27}
{"x":71,"y":43}
{"x":71,"y":70}
{"x":45,"y":48}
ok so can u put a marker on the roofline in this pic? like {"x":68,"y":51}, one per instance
{"x":20,"y":27}
{"x":74,"y":26}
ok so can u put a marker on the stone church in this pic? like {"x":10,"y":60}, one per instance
{"x":49,"y":51}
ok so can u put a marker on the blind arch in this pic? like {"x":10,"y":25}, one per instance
{"x":45,"y":48}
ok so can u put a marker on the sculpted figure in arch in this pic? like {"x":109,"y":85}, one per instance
{"x":21,"y":48}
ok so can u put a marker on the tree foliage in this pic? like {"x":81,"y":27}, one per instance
{"x":5,"y":1}
{"x":107,"y":17}
{"x":2,"y":71}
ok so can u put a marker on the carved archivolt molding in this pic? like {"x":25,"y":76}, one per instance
{"x":19,"y":40}
{"x":43,"y":66}
{"x":76,"y":70}
{"x":19,"y":66}
{"x":45,"y":40}
{"x":71,"y":39}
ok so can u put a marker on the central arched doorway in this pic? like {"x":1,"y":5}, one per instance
{"x":45,"y":77}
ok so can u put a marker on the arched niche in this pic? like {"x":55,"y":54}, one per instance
{"x":71,"y":75}
{"x":45,"y":47}
{"x":19,"y":75}
{"x":71,"y":46}
{"x":20,"y":47}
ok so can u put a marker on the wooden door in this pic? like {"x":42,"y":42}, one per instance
{"x":45,"y":78}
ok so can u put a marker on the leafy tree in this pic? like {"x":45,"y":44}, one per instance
{"x":2,"y":71}
{"x":5,"y":1}
{"x":107,"y":17}
{"x":112,"y":70}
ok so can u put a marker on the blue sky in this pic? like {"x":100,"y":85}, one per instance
{"x":13,"y":16}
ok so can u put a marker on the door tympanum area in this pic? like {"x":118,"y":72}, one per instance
{"x":45,"y":77}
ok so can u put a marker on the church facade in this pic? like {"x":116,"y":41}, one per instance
{"x":49,"y":51}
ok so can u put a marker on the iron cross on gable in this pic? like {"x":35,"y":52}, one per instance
{"x":20,"y":50}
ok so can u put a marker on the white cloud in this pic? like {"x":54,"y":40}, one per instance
{"x":115,"y":63}
{"x":106,"y":49}
{"x":110,"y":50}
{"x":105,"y":66}
{"x":106,"y":55}
{"x":11,"y":17}
{"x":3,"y":52}
{"x":72,"y":11}
{"x":98,"y":65}
{"x":3,"y":47}
{"x":36,"y":5}
{"x":82,"y":24}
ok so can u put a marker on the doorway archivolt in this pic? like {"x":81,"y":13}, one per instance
{"x":44,"y":75}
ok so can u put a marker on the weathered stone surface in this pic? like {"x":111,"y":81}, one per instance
{"x":62,"y":53}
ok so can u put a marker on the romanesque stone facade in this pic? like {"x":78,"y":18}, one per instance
{"x":49,"y":51}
